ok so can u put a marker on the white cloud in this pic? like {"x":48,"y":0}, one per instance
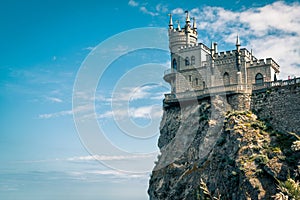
{"x":177,"y":11}
{"x":133,"y":3}
{"x":56,"y":114}
{"x":89,"y":48}
{"x":109,"y":157}
{"x":107,"y":114}
{"x":142,"y":112}
{"x":120,"y":49}
{"x":146,"y":112}
{"x":146,"y":11}
{"x":85,"y":111}
{"x":134,"y":93}
{"x":161,"y":8}
{"x":54,"y":99}
{"x":195,"y":11}
{"x":272,"y":31}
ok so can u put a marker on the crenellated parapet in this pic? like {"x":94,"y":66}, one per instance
{"x":199,"y":69}
{"x":182,"y":36}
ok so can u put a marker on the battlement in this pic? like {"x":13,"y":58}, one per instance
{"x":194,"y":47}
{"x":196,"y":67}
{"x":261,"y":62}
{"x":224,"y":54}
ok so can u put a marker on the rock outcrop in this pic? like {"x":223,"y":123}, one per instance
{"x":208,"y":151}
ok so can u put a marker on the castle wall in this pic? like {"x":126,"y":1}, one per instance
{"x":192,"y":79}
{"x":280,"y":106}
{"x":263,"y":69}
{"x":225,"y":65}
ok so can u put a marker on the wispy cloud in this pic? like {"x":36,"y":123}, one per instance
{"x":177,"y":11}
{"x":135,"y":93}
{"x":146,"y":11}
{"x":161,"y":8}
{"x":146,"y":112}
{"x":133,"y":3}
{"x":89,"y":48}
{"x":143,"y":112}
{"x":109,"y":157}
{"x":54,"y":99}
{"x":85,"y":110}
{"x":56,"y":114}
{"x":149,"y":10}
{"x":272,"y":31}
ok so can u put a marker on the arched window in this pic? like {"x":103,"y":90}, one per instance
{"x":259,"y":79}
{"x":193,"y":60}
{"x":226,"y":79}
{"x":204,"y":85}
{"x":187,"y":61}
{"x":174,"y":64}
{"x":196,"y":81}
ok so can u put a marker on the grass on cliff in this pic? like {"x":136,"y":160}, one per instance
{"x":282,"y":145}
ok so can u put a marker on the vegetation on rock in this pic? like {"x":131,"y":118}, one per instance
{"x":248,"y":160}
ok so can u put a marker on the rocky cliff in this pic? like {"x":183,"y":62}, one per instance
{"x":211,"y":151}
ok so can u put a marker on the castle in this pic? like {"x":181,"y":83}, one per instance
{"x":198,"y":70}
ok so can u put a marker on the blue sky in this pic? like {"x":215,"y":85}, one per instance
{"x":46,"y":47}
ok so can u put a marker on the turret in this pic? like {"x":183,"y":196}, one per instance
{"x":187,"y":22}
{"x":238,"y":44}
{"x":194,"y":24}
{"x":238,"y":55}
{"x":212,"y":50}
{"x":180,"y":37}
{"x":178,"y":25}
{"x":170,"y":22}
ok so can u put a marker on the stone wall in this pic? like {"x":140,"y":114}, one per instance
{"x":280,"y":106}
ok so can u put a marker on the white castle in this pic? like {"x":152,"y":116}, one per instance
{"x":199,"y":70}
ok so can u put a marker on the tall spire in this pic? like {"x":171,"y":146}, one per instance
{"x":212,"y":49}
{"x":170,"y":22}
{"x":194,"y":24}
{"x":238,"y":40}
{"x":187,"y":18}
{"x":178,"y":25}
{"x":238,"y":44}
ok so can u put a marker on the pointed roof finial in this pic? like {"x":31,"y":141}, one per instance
{"x":212,"y":45}
{"x":238,"y":40}
{"x":178,"y":25}
{"x":194,"y":23}
{"x":170,"y":21}
{"x":187,"y":19}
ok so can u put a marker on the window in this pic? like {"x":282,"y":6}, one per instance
{"x":193,"y":60}
{"x":226,"y":79}
{"x":187,"y":61}
{"x":174,"y":64}
{"x":196,"y":81}
{"x":190,"y":78}
{"x":204,"y":86}
{"x":259,"y":79}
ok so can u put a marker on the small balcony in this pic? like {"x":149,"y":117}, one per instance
{"x":169,"y":75}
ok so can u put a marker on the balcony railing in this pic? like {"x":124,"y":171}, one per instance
{"x":229,"y":88}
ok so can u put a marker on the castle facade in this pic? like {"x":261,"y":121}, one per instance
{"x":199,"y":70}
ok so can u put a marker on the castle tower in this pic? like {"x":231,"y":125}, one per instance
{"x":182,"y":36}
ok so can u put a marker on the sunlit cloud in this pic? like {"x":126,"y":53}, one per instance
{"x":177,"y":11}
{"x":54,"y":99}
{"x":143,"y":9}
{"x":259,"y":28}
{"x":108,"y":157}
{"x":133,"y":3}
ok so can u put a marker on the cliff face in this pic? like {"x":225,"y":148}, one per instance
{"x":208,"y":150}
